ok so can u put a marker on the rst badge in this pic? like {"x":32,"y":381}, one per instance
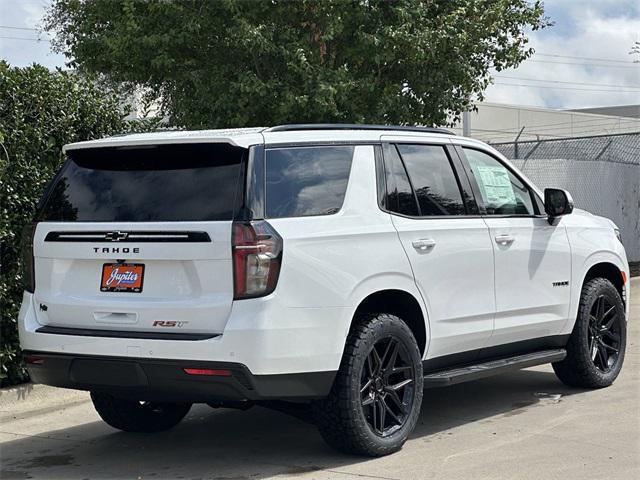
{"x":169,"y":323}
{"x":122,"y":277}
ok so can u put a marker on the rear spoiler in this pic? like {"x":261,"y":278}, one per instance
{"x":243,"y":137}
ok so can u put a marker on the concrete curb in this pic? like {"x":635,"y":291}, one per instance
{"x":30,"y":396}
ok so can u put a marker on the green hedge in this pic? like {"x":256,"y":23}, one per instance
{"x":40,"y":111}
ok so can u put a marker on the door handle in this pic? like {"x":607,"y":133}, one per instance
{"x":424,"y":244}
{"x":504,"y":239}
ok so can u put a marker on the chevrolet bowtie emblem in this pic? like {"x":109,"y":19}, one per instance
{"x":116,"y":236}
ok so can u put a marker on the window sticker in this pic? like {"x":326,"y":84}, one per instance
{"x":496,"y":185}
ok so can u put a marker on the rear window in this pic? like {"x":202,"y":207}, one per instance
{"x":181,"y":182}
{"x":306,"y":181}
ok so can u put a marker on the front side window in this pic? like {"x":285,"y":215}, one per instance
{"x":305,"y":181}
{"x":433,"y":180}
{"x":501,"y":191}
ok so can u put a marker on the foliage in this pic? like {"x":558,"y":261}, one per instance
{"x":40,"y":111}
{"x":232,"y":63}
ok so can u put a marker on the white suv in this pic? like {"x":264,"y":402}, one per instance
{"x":340,"y":266}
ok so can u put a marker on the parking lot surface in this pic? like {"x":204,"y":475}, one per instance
{"x":520,"y":425}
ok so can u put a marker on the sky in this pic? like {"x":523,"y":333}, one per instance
{"x":581,"y":61}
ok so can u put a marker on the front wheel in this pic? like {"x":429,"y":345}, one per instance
{"x":138,"y":416}
{"x":596,"y":348}
{"x":376,"y":397}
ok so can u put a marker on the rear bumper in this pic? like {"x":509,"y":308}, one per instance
{"x":166,"y":380}
{"x":267,"y":337}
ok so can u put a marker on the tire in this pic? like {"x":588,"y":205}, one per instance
{"x":349,"y":418}
{"x":135,"y":416}
{"x":596,"y":348}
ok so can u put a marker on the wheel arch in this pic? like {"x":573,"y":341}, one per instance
{"x":600,"y":264}
{"x":609,"y":271}
{"x":402,"y":304}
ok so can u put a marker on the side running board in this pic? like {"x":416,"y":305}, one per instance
{"x":452,"y":376}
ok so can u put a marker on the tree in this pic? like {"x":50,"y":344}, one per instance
{"x":40,"y":111}
{"x":232,"y":63}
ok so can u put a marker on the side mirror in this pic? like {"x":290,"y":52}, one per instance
{"x":557,"y":202}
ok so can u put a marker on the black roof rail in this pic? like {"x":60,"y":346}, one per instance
{"x":355,"y":126}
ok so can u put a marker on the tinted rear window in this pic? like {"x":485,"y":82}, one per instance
{"x":305,"y":181}
{"x":179,"y":182}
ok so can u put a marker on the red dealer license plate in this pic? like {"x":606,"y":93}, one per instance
{"x":122,"y":277}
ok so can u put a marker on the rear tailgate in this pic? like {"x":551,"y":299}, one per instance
{"x":138,"y":240}
{"x":186,"y":286}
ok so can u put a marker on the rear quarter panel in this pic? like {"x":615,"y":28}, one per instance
{"x":338,"y":260}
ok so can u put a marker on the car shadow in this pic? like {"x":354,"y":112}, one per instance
{"x":228,"y":444}
{"x":504,"y":395}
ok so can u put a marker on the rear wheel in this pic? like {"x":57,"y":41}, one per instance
{"x":375,"y":400}
{"x":596,"y":348}
{"x":138,"y":416}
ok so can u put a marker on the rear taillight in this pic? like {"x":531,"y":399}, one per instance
{"x":257,"y":254}
{"x":28,"y":272}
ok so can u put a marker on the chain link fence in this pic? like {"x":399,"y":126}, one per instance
{"x":602,"y":173}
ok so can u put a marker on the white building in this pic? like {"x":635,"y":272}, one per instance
{"x":494,"y":122}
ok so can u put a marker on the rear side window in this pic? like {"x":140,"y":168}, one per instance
{"x":304,"y":181}
{"x":181,"y":182}
{"x":433,"y":180}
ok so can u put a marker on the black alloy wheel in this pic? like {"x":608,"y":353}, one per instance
{"x":597,"y":344}
{"x":604,"y":334}
{"x":387,"y":386}
{"x":375,"y":400}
